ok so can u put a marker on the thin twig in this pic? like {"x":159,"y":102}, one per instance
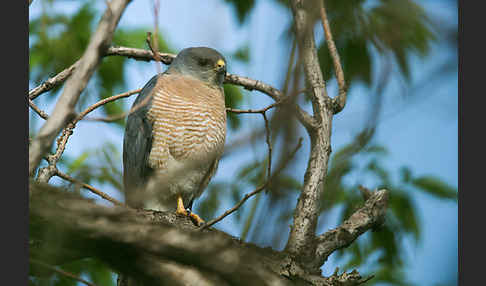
{"x":64,"y":108}
{"x":88,"y":187}
{"x":289,"y":67}
{"x":249,"y":195}
{"x":262,"y":111}
{"x":267,"y":139}
{"x":53,"y":81}
{"x":62,"y":272}
{"x":113,"y":98}
{"x":281,"y":101}
{"x":38,"y":110}
{"x":46,"y":173}
{"x":152,"y":47}
{"x":139,"y":54}
{"x":366,"y":280}
{"x":365,"y":192}
{"x":103,"y":102}
{"x":340,"y":100}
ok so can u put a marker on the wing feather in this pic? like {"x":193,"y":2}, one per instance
{"x":137,"y":143}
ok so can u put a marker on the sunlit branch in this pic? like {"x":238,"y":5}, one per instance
{"x":37,"y":110}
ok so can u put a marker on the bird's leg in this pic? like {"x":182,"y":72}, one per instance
{"x":180,"y":207}
{"x":197,"y":220}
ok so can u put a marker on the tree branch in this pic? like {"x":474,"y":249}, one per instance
{"x":340,"y":101}
{"x":371,"y":215}
{"x":88,"y":187}
{"x":301,"y":241}
{"x":53,"y":81}
{"x":37,"y":110}
{"x":46,"y":173}
{"x":146,"y":55}
{"x":64,"y":273}
{"x":257,"y":190}
{"x":64,"y":108}
{"x":153,"y":247}
{"x":133,"y":242}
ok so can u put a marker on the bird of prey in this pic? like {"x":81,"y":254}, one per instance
{"x":175,"y":135}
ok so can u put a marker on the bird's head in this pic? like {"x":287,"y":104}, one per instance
{"x":203,"y":63}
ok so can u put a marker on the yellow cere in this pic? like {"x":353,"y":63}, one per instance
{"x":220,"y":63}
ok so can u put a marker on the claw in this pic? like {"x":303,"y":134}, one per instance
{"x":197,"y":220}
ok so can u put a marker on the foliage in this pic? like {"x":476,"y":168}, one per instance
{"x":242,"y":8}
{"x":90,"y":269}
{"x":361,"y":31}
{"x":57,"y":41}
{"x":385,"y":243}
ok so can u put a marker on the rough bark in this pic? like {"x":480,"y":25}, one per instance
{"x":302,"y":239}
{"x":155,"y":247}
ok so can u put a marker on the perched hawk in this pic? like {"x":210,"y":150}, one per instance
{"x":174,"y":141}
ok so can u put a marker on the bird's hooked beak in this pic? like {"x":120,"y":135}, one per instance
{"x":221,"y":66}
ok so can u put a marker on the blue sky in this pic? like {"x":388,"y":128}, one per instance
{"x":419,"y":131}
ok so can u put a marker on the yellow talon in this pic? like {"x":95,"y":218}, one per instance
{"x":180,"y":207}
{"x":197,"y":220}
{"x":181,"y":210}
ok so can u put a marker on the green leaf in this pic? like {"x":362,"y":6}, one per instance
{"x":242,"y":7}
{"x":381,"y":172}
{"x":376,"y":149}
{"x":401,"y":204}
{"x":355,"y":60}
{"x":99,"y":273}
{"x":242,"y":54}
{"x":247,"y":169}
{"x":435,"y":187}
{"x":406,"y":174}
{"x":78,"y":162}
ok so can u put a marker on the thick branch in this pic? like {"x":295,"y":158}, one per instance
{"x":371,"y":215}
{"x":107,"y":233}
{"x":64,"y":108}
{"x":146,"y":55}
{"x":153,"y":246}
{"x":301,"y":241}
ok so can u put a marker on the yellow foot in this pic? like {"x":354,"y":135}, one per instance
{"x":181,"y":210}
{"x":197,"y":220}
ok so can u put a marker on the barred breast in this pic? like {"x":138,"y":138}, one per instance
{"x":189,"y":129}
